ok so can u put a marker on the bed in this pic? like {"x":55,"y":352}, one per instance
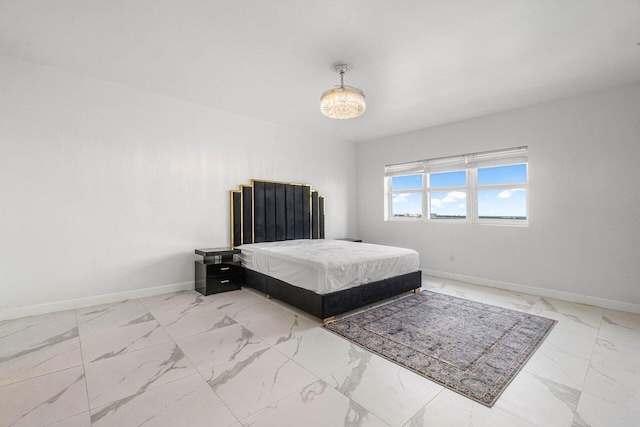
{"x":279,"y":228}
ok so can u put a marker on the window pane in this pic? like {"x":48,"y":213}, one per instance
{"x":502,"y":204}
{"x":448,"y":179}
{"x":406,"y":182}
{"x":448,"y":204}
{"x":406,"y":205}
{"x":510,"y":174}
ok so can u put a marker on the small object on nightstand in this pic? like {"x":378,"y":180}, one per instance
{"x":219,"y":271}
{"x":351,"y":239}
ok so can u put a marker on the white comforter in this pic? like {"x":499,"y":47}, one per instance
{"x":324,"y":266}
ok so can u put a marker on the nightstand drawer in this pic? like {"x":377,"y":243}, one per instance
{"x":224,"y":268}
{"x":225,"y":279}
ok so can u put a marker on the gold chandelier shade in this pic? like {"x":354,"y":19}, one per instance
{"x":342,"y":102}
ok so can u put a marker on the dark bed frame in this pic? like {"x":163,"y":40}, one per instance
{"x":268,"y":211}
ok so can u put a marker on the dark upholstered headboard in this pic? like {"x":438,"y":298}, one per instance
{"x":268,"y":211}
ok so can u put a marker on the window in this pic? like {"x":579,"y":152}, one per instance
{"x":502,"y":193}
{"x":406,"y":196}
{"x":484,"y":188}
{"x":447,"y":195}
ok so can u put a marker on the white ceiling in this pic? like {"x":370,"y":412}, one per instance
{"x":420,"y":63}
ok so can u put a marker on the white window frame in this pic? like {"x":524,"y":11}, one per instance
{"x":391,"y":192}
{"x":464,"y":188}
{"x":469,"y":163}
{"x":510,"y":186}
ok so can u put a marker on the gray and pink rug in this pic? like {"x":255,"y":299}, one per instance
{"x":471,"y":348}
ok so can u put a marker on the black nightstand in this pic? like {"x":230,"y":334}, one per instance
{"x":350,"y":239}
{"x":219,"y":271}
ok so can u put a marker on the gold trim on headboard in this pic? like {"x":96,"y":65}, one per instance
{"x":279,"y":182}
{"x":253,"y":214}
{"x":232,"y":215}
{"x":232,"y":223}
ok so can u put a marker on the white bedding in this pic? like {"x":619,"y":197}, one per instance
{"x":324,"y":266}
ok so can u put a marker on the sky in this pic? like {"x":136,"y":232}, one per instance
{"x":491,"y":202}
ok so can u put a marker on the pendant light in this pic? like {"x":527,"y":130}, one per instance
{"x":342,"y":102}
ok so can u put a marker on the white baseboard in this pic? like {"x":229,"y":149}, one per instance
{"x":33,"y":310}
{"x":543,"y":292}
{"x":50,"y":307}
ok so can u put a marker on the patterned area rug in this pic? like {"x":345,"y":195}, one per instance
{"x":471,"y":348}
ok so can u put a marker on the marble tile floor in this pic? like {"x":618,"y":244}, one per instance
{"x":237,"y":359}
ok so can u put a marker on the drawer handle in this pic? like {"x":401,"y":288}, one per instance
{"x":224,"y":281}
{"x":224,"y":268}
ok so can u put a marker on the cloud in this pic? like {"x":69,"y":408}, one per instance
{"x":508,"y":193}
{"x":454,"y":196}
{"x":400,"y":198}
{"x":461,"y":205}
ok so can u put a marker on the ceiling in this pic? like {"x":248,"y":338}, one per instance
{"x":420,"y":63}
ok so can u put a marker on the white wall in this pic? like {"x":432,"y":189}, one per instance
{"x":105,"y":188}
{"x":584,"y":233}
